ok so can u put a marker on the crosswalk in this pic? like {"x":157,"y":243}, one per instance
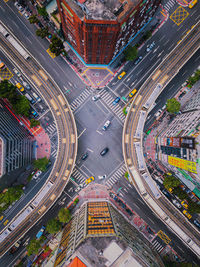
{"x":51,"y":129}
{"x":157,"y":245}
{"x":80,"y":99}
{"x":79,"y":178}
{"x":116,"y":176}
{"x":108,"y":99}
{"x":169,"y":4}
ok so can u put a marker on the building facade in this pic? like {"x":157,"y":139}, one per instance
{"x":98,"y":30}
{"x":98,"y":234}
{"x":16,"y":143}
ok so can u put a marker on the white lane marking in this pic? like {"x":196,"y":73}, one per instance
{"x":99,"y":132}
{"x":90,"y":150}
{"x":81,"y":133}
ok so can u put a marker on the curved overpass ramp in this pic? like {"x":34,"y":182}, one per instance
{"x":67,"y":146}
{"x":133,"y":139}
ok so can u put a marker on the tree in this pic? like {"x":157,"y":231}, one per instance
{"x":42,"y":32}
{"x":130,"y":53}
{"x":21,"y":105}
{"x":56,"y":45}
{"x":7,"y":89}
{"x":170,"y":182}
{"x":33,"y":19}
{"x":33,"y":247}
{"x":147,"y":35}
{"x":42,"y":12}
{"x":193,"y":207}
{"x":41,"y":164}
{"x":180,"y":193}
{"x":53,"y":226}
{"x":64,"y":215}
{"x":34,"y":123}
{"x":173,"y":106}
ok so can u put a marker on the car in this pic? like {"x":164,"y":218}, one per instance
{"x":176,"y":203}
{"x":20,"y":87}
{"x":19,"y":7}
{"x":122,"y":75}
{"x":84,"y":156}
{"x":104,"y":151}
{"x":106,"y":125}
{"x":117,"y":99}
{"x":40,"y":233}
{"x":150,"y":47}
{"x":6,"y":222}
{"x":197,"y":223}
{"x":34,"y":113}
{"x":37,"y":174}
{"x":102,"y":177}
{"x":26,"y":85}
{"x":26,"y":15}
{"x":184,"y":204}
{"x":89,"y":180}
{"x":166,"y":192}
{"x":17,"y":72}
{"x":1,"y":218}
{"x":132,"y":93}
{"x":96,"y":97}
{"x":187,"y":214}
{"x":138,"y":60}
{"x":164,"y":107}
{"x":158,"y":113}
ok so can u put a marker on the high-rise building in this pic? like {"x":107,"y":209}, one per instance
{"x":98,"y":30}
{"x":98,"y":235}
{"x":16,"y":143}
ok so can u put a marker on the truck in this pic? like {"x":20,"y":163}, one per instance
{"x":40,"y":233}
{"x":2,"y":65}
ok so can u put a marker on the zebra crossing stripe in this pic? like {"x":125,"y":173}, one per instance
{"x":80,"y":99}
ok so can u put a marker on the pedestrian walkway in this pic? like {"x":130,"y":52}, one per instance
{"x":169,"y":5}
{"x":108,"y":99}
{"x":80,"y":99}
{"x":51,"y":129}
{"x":156,"y":245}
{"x":116,"y":176}
{"x":79,"y":178}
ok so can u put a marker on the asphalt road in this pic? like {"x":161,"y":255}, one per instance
{"x":90,"y":116}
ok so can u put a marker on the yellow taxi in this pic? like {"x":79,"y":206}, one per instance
{"x":5,"y":223}
{"x":1,"y":218}
{"x":193,"y":3}
{"x":132,"y":93}
{"x":89,"y":180}
{"x":20,"y":87}
{"x":170,"y":189}
{"x":184,"y":204}
{"x":121,"y":75}
{"x":187,"y":214}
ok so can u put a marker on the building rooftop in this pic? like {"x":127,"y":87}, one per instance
{"x":101,"y":9}
{"x":1,"y":157}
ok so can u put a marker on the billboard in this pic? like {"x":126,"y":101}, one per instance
{"x":187,"y":165}
{"x":174,"y":141}
{"x":188,"y":142}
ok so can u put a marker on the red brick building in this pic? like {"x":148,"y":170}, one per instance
{"x":99,"y":29}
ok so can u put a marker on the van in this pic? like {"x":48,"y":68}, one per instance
{"x":20,"y":87}
{"x":132,"y":93}
{"x":36,"y":97}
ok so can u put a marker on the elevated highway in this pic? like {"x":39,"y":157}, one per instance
{"x":133,"y":139}
{"x":67,"y":145}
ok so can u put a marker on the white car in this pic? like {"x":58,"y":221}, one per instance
{"x":37,"y":174}
{"x":26,"y":15}
{"x":17,"y":72}
{"x":158,"y":113}
{"x":102,"y":177}
{"x":19,"y":7}
{"x":106,"y":125}
{"x":96,"y":97}
{"x":176,"y":203}
{"x":149,"y":48}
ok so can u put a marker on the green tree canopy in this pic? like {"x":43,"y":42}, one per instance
{"x":41,"y":164}
{"x":147,"y":35}
{"x":170,"y":182}
{"x":130,"y":53}
{"x":34,"y":122}
{"x":193,"y":207}
{"x":33,"y":247}
{"x":53,"y":226}
{"x":42,"y":12}
{"x":7,"y":89}
{"x":64,"y":215}
{"x":56,"y":45}
{"x":42,"y":32}
{"x":21,"y":105}
{"x":180,"y":193}
{"x":173,"y":106}
{"x":33,"y":19}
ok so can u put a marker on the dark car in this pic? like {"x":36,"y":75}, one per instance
{"x":197,"y":223}
{"x":104,"y":151}
{"x":117,"y":99}
{"x":84,"y":156}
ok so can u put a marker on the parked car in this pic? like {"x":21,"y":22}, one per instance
{"x":187,"y":214}
{"x":132,"y":93}
{"x":158,"y":113}
{"x":121,"y":75}
{"x":138,"y":60}
{"x":37,"y":174}
{"x":104,"y":151}
{"x":40,"y":233}
{"x":84,"y":156}
{"x":166,"y":192}
{"x":20,"y":87}
{"x":26,"y":15}
{"x":176,"y":203}
{"x":19,"y":7}
{"x":26,"y":85}
{"x":89,"y":180}
{"x":197,"y":223}
{"x":96,"y":97}
{"x":117,"y":99}
{"x":34,"y":113}
{"x":102,"y":177}
{"x":184,"y":204}
{"x":17,"y":72}
{"x":106,"y":125}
